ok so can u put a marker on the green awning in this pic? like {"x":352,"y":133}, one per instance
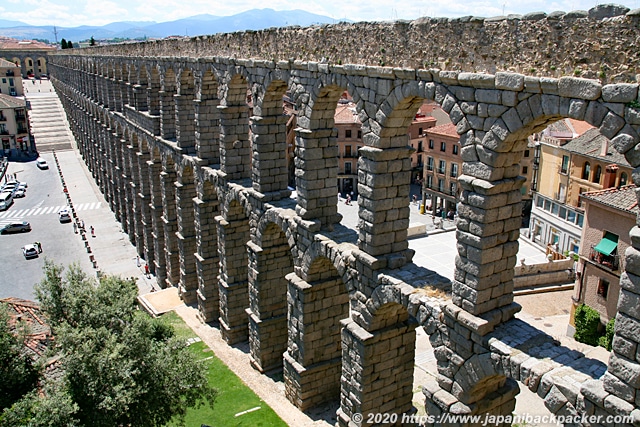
{"x":608,"y":244}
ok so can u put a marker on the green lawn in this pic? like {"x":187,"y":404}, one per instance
{"x":233,"y":395}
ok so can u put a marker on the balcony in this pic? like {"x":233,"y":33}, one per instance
{"x":611,"y":262}
{"x":10,"y":73}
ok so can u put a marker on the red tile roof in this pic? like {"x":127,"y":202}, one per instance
{"x":7,"y":43}
{"x":446,"y":130}
{"x":623,"y":198}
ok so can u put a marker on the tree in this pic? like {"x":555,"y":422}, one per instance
{"x":69,"y":45}
{"x":63,"y":44}
{"x":121,"y":367}
{"x":18,"y":372}
{"x":92,"y":41}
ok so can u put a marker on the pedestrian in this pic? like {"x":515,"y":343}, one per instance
{"x":81,"y":224}
{"x":138,"y":261}
{"x":348,"y":202}
{"x":146,"y":271}
{"x":75,"y":228}
{"x":93,"y":234}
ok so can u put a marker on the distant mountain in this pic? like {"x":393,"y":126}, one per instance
{"x":7,"y":24}
{"x":256,"y":19}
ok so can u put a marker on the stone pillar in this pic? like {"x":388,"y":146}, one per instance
{"x":167,"y":116}
{"x":207,"y":136}
{"x":233,"y":285}
{"x":140,"y":98}
{"x":146,"y":250}
{"x":267,"y":310}
{"x":489,"y":218}
{"x":316,"y":175}
{"x":185,"y":123}
{"x":622,"y":380}
{"x":186,"y":235}
{"x":269,"y":163}
{"x":384,"y":178}
{"x":207,"y":261}
{"x":313,"y":360}
{"x":135,"y":223}
{"x":153,"y":101}
{"x":377,"y":371}
{"x":170,"y":225}
{"x":235,"y":153}
{"x":159,"y":267}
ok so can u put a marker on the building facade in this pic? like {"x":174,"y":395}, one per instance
{"x":14,"y":128}
{"x":30,"y":56}
{"x":609,"y":214}
{"x":349,"y":139}
{"x":568,"y":168}
{"x":10,"y":79}
{"x":442,"y":168}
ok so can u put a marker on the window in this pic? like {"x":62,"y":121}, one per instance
{"x":452,"y":188}
{"x":347,"y":168}
{"x":565,"y":165}
{"x":347,"y":151}
{"x":347,"y":133}
{"x":429,"y":163}
{"x":623,"y":179}
{"x":419,"y":159}
{"x":455,"y":149}
{"x":526,"y":153}
{"x":359,"y":134}
{"x":441,"y":185}
{"x":586,"y":170}
{"x":597,"y":175}
{"x":429,"y":181}
{"x":5,"y":144}
{"x":419,"y":131}
{"x":562,"y":193}
{"x":431,"y":144}
{"x":525,"y":169}
{"x":603,"y":288}
{"x":419,"y":146}
{"x":443,"y":146}
{"x":442,"y":166}
{"x":454,"y":170}
{"x":539,"y":201}
{"x":580,"y":220}
{"x":10,"y":81}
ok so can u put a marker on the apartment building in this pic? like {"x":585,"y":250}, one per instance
{"x":349,"y":139}
{"x":10,"y":79}
{"x":14,"y":128}
{"x":609,"y":215}
{"x":442,"y":167}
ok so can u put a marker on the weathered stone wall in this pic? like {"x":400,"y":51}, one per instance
{"x":587,"y":44}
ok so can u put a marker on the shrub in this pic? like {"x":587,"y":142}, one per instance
{"x":606,"y":340}
{"x":587,"y":321}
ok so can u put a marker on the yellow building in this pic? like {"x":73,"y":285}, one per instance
{"x":14,"y":129}
{"x":10,"y":78}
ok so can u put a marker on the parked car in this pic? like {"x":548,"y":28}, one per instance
{"x":20,"y":192}
{"x":42,"y":163}
{"x":15,"y":227}
{"x":64,"y":215}
{"x":6,"y":199}
{"x":30,"y":251}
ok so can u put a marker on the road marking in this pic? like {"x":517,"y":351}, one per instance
{"x":47,"y":210}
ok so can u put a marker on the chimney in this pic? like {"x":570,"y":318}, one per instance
{"x":610,"y":176}
{"x":604,"y":147}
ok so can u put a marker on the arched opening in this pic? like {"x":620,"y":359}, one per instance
{"x":186,"y":233}
{"x":208,"y":120}
{"x":207,"y":207}
{"x":185,"y":112}
{"x":168,"y":105}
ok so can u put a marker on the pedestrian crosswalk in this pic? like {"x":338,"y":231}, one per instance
{"x":21,"y":213}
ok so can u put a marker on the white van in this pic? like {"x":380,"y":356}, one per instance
{"x":6,"y":199}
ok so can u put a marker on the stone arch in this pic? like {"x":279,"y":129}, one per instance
{"x":235,"y":145}
{"x":168,"y":178}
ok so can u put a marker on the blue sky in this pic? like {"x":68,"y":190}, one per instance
{"x":74,"y":13}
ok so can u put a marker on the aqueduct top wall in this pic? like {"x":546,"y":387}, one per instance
{"x":601,"y":43}
{"x":194,"y":174}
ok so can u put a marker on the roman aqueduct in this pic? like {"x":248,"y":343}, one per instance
{"x":197,"y":178}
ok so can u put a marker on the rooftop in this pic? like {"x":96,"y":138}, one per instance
{"x":623,"y":198}
{"x":7,"y":101}
{"x":346,"y":113}
{"x":7,"y":43}
{"x":448,"y":129}
{"x":7,"y":64}
{"x":590,"y":144}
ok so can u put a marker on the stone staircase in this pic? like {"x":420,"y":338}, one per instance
{"x":48,"y":121}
